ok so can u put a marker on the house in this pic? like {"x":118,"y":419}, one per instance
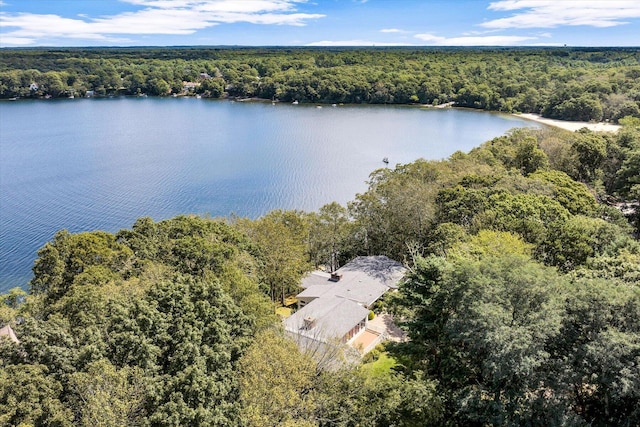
{"x":189,"y":86}
{"x":334,"y":307}
{"x":6,"y":331}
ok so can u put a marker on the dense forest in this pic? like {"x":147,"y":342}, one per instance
{"x":564,"y":83}
{"x":522,"y":302}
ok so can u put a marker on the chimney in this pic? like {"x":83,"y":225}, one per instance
{"x":309,"y":323}
{"x":335,"y":277}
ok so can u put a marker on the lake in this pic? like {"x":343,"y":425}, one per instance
{"x":89,"y":164}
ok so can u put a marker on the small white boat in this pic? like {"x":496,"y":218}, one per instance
{"x":295,"y":102}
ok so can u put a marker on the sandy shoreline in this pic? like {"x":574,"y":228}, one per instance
{"x":570,"y":126}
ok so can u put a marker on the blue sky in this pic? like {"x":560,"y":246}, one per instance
{"x":319,"y":22}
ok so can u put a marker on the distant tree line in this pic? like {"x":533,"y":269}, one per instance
{"x":564,"y":83}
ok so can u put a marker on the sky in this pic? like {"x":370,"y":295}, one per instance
{"x":26,"y":23}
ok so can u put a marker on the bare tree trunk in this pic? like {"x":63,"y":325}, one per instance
{"x":283,"y":296}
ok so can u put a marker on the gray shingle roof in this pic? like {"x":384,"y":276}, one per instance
{"x":374,"y":269}
{"x":316,"y":291}
{"x":315,"y":278}
{"x":333,"y":316}
{"x":339,"y":306}
{"x":364,"y":280}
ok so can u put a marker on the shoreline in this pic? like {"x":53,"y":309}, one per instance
{"x":568,"y":125}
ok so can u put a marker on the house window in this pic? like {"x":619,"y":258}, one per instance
{"x":355,"y":330}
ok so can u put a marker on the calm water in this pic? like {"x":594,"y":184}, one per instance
{"x":100,"y":164}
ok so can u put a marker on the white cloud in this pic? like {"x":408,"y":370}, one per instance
{"x":551,"y":14}
{"x":176,"y":17}
{"x":434,"y":40}
{"x":246,"y":6}
{"x":393,"y":30}
{"x":16,"y":41}
{"x":354,"y":43}
{"x":546,"y":44}
{"x":478,"y":33}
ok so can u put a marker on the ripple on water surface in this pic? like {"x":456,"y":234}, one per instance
{"x":99,"y":164}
